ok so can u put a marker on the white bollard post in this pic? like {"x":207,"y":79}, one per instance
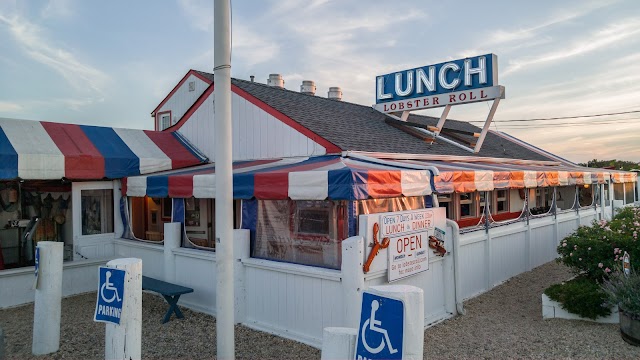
{"x":241,"y":251}
{"x":124,"y":341}
{"x":338,"y":343}
{"x":352,"y":279}
{"x":48,"y":299}
{"x":172,"y":237}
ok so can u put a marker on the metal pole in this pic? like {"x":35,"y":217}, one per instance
{"x":224,"y":180}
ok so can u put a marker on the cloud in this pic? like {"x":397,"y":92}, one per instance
{"x":611,"y":34}
{"x":57,"y":9}
{"x":30,"y":38}
{"x":199,"y":12}
{"x":10,"y":107}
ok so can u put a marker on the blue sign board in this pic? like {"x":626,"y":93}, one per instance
{"x":110,"y":295}
{"x":456,"y":75}
{"x":380,"y":334}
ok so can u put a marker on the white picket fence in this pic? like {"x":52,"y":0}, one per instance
{"x":297,"y":301}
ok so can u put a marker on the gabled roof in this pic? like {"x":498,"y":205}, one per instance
{"x":354,"y":127}
{"x":361,"y":128}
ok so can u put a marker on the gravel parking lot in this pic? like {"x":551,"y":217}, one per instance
{"x":503,"y":323}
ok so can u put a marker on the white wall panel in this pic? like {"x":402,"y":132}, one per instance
{"x":509,"y":252}
{"x":256,"y":133}
{"x":182,"y":99}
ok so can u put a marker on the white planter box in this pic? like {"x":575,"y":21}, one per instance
{"x":552,"y":309}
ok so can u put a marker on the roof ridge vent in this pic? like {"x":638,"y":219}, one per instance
{"x":335,"y":93}
{"x":275,"y":80}
{"x":308,"y":87}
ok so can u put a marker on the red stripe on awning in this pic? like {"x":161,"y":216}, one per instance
{"x":82,"y":160}
{"x":180,"y":156}
{"x":271,"y":185}
{"x":384,"y":183}
{"x":181,"y":186}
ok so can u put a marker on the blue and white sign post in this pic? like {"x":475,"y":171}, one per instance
{"x":110,"y":295}
{"x":391,"y":323}
{"x":119,"y":305}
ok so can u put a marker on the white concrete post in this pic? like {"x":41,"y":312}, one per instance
{"x":413,"y":299}
{"x":124,"y":341}
{"x":241,"y":247}
{"x":352,"y":279}
{"x":172,"y":232}
{"x":338,"y":343}
{"x":225,"y":313}
{"x":48,"y":297}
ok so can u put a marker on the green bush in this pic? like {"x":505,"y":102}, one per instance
{"x":581,"y":296}
{"x":593,"y":252}
{"x":596,"y":250}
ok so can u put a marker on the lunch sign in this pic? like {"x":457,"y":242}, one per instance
{"x":453,"y":82}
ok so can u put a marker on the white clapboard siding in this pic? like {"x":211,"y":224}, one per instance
{"x":256,"y":133}
{"x":182,"y":99}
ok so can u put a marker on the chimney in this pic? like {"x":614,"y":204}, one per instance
{"x":308,"y":87}
{"x":335,"y":93}
{"x":252,"y":77}
{"x":275,"y":80}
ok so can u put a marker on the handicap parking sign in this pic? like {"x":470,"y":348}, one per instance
{"x":110,"y":295}
{"x":380,"y":334}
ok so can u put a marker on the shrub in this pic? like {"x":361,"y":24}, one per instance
{"x":594,"y":251}
{"x":581,"y":296}
{"x":624,"y":291}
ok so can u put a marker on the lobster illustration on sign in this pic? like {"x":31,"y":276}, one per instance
{"x":437,"y":245}
{"x":377,"y":245}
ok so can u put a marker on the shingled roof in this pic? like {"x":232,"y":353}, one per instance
{"x":354,"y":127}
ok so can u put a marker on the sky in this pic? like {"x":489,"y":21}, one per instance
{"x":110,"y":63}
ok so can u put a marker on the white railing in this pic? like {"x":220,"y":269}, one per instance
{"x":297,"y":301}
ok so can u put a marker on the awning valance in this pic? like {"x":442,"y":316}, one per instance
{"x":317,"y":178}
{"x":478,"y":176}
{"x":34,"y":150}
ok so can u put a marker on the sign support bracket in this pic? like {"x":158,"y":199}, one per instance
{"x":487,"y":123}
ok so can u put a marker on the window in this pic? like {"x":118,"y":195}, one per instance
{"x":192,"y":86}
{"x":467,"y":205}
{"x":482,"y":201}
{"x":607,"y":200}
{"x":165,"y":121}
{"x":618,"y":191}
{"x":585,"y":195}
{"x":444,"y":200}
{"x":312,"y":218}
{"x":97,"y":211}
{"x":629,"y":193}
{"x":502,"y":201}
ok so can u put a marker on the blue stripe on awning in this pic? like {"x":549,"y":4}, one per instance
{"x":8,"y":158}
{"x":158,"y":186}
{"x":119,"y":160}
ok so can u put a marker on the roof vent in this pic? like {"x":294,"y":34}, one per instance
{"x":252,"y":78}
{"x":308,"y":87}
{"x":275,"y":80}
{"x":335,"y":93}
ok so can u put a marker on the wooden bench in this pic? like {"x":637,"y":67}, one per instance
{"x":170,"y":292}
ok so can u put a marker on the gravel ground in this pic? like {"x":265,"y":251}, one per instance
{"x":503,"y":323}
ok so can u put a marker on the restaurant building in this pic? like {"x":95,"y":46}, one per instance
{"x":311,"y":173}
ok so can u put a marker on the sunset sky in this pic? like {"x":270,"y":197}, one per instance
{"x":111,"y":62}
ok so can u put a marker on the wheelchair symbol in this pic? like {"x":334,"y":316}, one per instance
{"x":375,"y":325}
{"x":109,"y":286}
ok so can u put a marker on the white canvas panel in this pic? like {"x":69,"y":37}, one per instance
{"x":588,"y":179}
{"x":204,"y":186}
{"x":484,"y":180}
{"x":152,"y":158}
{"x":563,"y":178}
{"x":530,"y":179}
{"x":309,"y":185}
{"x":137,"y":186}
{"x":415,"y":183}
{"x":38,"y":156}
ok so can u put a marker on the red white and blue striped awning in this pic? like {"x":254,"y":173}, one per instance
{"x":316,"y":178}
{"x":33,"y":150}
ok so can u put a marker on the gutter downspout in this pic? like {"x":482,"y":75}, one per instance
{"x":455,"y":235}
